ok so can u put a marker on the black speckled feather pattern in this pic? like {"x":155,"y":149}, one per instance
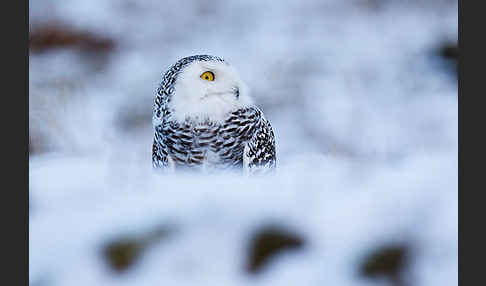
{"x":196,"y":144}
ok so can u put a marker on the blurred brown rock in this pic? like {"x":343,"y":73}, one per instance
{"x":269,"y":242}
{"x":122,"y":253}
{"x":389,"y":261}
{"x":55,"y":35}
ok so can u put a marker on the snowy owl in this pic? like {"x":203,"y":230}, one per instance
{"x":204,"y":119}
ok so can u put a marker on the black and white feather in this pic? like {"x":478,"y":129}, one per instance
{"x":202,"y":125}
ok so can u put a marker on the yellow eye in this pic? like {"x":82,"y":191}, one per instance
{"x":207,"y":76}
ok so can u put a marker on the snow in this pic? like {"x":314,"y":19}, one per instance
{"x":365,"y":118}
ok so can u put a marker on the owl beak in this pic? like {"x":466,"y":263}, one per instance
{"x":236,"y":92}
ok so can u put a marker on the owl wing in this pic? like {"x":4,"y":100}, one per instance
{"x":160,"y":155}
{"x":259,"y":153}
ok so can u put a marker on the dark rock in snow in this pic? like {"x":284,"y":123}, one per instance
{"x":389,"y":261}
{"x":53,"y":35}
{"x":122,"y":253}
{"x":269,"y":242}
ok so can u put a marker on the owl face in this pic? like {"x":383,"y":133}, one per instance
{"x":208,"y":90}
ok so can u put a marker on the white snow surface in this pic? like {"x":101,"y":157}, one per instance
{"x":364,"y":114}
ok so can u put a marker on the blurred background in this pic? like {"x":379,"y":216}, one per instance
{"x":362,"y":96}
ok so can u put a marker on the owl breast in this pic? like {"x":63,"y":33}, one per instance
{"x":193,"y":144}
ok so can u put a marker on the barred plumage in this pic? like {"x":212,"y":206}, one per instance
{"x":186,"y":138}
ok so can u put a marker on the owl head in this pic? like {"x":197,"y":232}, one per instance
{"x":201,"y":87}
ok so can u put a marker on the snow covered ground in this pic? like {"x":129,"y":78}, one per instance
{"x":365,"y":114}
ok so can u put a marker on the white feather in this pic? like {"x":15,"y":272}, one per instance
{"x":197,"y":98}
{"x":246,"y":160}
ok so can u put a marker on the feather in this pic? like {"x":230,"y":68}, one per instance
{"x":239,"y":137}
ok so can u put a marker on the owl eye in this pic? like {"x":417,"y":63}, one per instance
{"x":207,"y":76}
